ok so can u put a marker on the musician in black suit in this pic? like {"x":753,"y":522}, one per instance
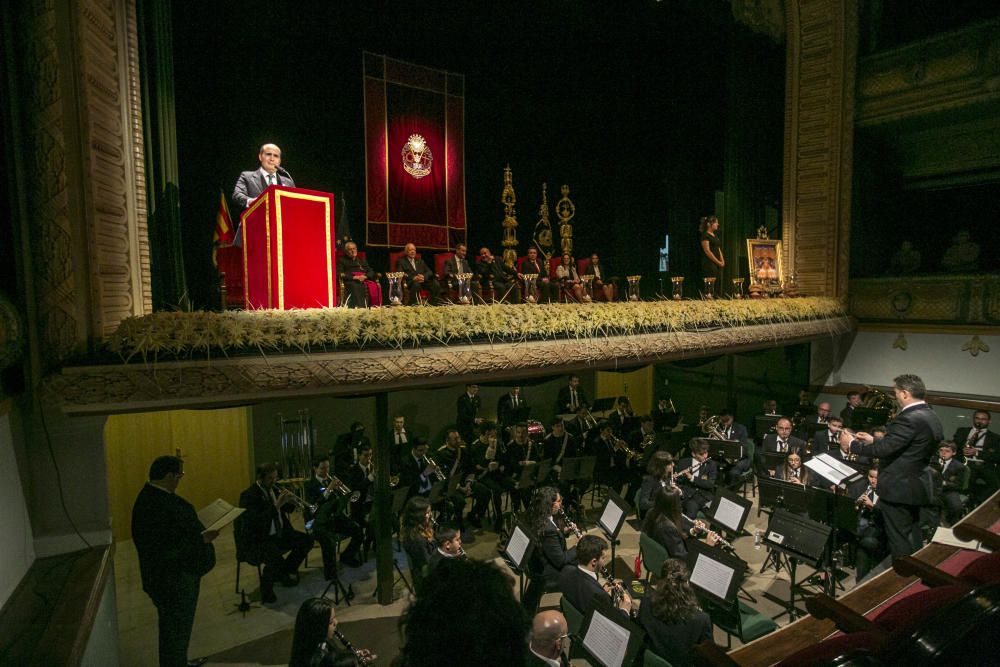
{"x":659,"y":475}
{"x":552,"y":553}
{"x":251,"y":184}
{"x":665,"y":417}
{"x":733,"y":430}
{"x":781,"y":441}
{"x":611,"y":466}
{"x":268,"y":533}
{"x":360,"y":478}
{"x":493,"y":271}
{"x":545,"y":648}
{"x":578,"y":583}
{"x":418,"y":275}
{"x":904,"y":485}
{"x":571,"y":396}
{"x":668,"y":526}
{"x":646,"y":440}
{"x":511,"y":409}
{"x":582,"y":425}
{"x":983,"y":446}
{"x":815,"y":422}
{"x":697,"y":478}
{"x":491,"y":465}
{"x":331,"y":518}
{"x":671,"y":617}
{"x":456,"y":460}
{"x":622,"y":418}
{"x":356,"y":274}
{"x":174,"y":554}
{"x":871,"y":530}
{"x":853,"y":402}
{"x":826,"y":440}
{"x":456,"y":265}
{"x":415,"y":471}
{"x":399,"y":441}
{"x":519,"y":451}
{"x":468,"y":412}
{"x":953,"y":474}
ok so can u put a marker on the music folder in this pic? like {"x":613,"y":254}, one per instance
{"x":609,"y":636}
{"x":715,"y":572}
{"x":218,"y":514}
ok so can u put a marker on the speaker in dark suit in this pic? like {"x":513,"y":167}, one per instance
{"x":905,"y":484}
{"x":251,"y":184}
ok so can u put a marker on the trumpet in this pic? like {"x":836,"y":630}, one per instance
{"x":298,"y":502}
{"x":437,"y":469}
{"x":859,"y":504}
{"x":630,"y":453}
{"x":363,"y":656}
{"x":561,"y":514}
{"x":725,"y":544}
{"x":336,"y":486}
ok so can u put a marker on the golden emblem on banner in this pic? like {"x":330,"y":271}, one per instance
{"x":417,"y":156}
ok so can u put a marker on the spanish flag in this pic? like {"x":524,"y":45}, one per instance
{"x":224,"y":234}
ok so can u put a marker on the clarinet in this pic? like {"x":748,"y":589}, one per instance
{"x":362,"y":657}
{"x":569,"y":524}
{"x":725,"y":544}
{"x":617,"y":589}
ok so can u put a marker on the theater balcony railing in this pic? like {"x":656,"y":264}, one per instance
{"x":928,"y":302}
{"x":203,"y":359}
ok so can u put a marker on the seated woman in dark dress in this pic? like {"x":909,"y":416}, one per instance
{"x":669,"y":527}
{"x":552,"y":554}
{"x":671,"y":617}
{"x":418,"y":537}
{"x":659,"y":475}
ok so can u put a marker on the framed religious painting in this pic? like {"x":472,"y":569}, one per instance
{"x":764,"y":256}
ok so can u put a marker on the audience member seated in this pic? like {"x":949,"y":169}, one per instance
{"x":673,"y":620}
{"x":418,"y":276}
{"x":549,"y":631}
{"x":358,"y":278}
{"x":962,"y":256}
{"x":467,"y":615}
{"x":268,"y":532}
{"x":603,"y":284}
{"x":579,"y":584}
{"x":532,"y":265}
{"x":551,"y":554}
{"x":905,"y":260}
{"x":459,"y":264}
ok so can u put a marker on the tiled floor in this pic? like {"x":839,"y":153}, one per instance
{"x":218,"y":626}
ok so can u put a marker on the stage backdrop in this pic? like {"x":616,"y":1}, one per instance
{"x":402,"y":100}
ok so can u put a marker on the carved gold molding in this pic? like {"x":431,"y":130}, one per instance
{"x":819,"y":127}
{"x":970,"y":300}
{"x":946,"y":71}
{"x":219,"y":382}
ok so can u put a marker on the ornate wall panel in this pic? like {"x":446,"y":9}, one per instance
{"x":955,"y":69}
{"x":939,"y":300}
{"x":141,"y":228}
{"x":819,"y":131}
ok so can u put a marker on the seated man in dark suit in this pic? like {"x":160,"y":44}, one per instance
{"x":781,"y":442}
{"x":579,"y":584}
{"x":733,"y":430}
{"x":548,"y":633}
{"x":814,"y":422}
{"x":493,"y":272}
{"x":330,"y":520}
{"x":871,"y":531}
{"x":268,"y":532}
{"x":457,"y":265}
{"x":826,"y":441}
{"x":418,"y":275}
{"x":981,"y":449}
{"x":357,"y":277}
{"x":952,"y":478}
{"x":415,"y":471}
{"x":533,"y":265}
{"x":697,"y":477}
{"x":847,"y":414}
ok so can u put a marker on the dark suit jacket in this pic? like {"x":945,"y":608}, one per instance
{"x":167,"y":536}
{"x":347,"y":267}
{"x":674,"y":642}
{"x":507,"y":414}
{"x":403,"y":264}
{"x":910,"y":440}
{"x":847,"y":414}
{"x":468,"y":410}
{"x":647,"y":493}
{"x":580,"y":588}
{"x":411,"y":472}
{"x":822,"y":444}
{"x":991,"y":444}
{"x":534,"y":661}
{"x":562,"y":401}
{"x":770,"y":445}
{"x":606,"y":273}
{"x":953,"y":477}
{"x":552,"y":556}
{"x":494,"y":271}
{"x":538,"y":266}
{"x":670,"y":538}
{"x":251,"y":183}
{"x":260,"y":512}
{"x":551,"y":446}
{"x":451,"y":268}
{"x":705,"y":481}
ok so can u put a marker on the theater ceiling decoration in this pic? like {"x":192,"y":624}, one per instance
{"x":414,"y":155}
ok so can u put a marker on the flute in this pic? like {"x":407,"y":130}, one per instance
{"x":725,"y":544}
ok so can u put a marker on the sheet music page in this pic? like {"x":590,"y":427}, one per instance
{"x":712,"y":576}
{"x":517,"y":544}
{"x":218,"y":514}
{"x":609,"y":519}
{"x":728,"y":513}
{"x":606,"y":640}
{"x":947,"y":536}
{"x":827,"y":472}
{"x":840,"y":466}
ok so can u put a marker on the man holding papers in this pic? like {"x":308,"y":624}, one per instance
{"x":175,"y":552}
{"x":909,"y":442}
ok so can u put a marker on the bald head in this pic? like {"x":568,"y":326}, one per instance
{"x":547,"y":630}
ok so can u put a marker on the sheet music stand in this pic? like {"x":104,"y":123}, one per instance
{"x":603,"y":612}
{"x":726,"y":450}
{"x":839,"y":512}
{"x":729,"y":501}
{"x":778,"y":494}
{"x":611,"y":525}
{"x":774,"y":460}
{"x":799,"y":539}
{"x":519,"y":562}
{"x":764,"y":424}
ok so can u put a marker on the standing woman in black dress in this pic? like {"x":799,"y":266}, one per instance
{"x":712,"y":260}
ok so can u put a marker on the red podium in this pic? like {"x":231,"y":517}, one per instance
{"x":289,"y":250}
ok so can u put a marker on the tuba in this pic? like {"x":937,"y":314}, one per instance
{"x":876,"y":399}
{"x":712,"y":427}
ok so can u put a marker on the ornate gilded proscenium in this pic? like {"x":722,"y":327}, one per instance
{"x":417,"y":157}
{"x":508,"y":199}
{"x":565,"y":210}
{"x":543,"y":229}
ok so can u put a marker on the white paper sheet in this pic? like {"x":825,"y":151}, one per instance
{"x":728,"y":514}
{"x":947,"y":536}
{"x":830,"y":468}
{"x":517,"y":545}
{"x":712,"y":576}
{"x":610,"y":518}
{"x":218,"y":514}
{"x":606,"y":641}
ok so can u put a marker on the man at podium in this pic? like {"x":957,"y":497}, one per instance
{"x":251,"y":184}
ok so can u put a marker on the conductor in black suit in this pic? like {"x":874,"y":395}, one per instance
{"x":418,"y":275}
{"x":981,"y":447}
{"x":578,"y":583}
{"x":174,"y":554}
{"x":251,"y":184}
{"x":267,"y":532}
{"x":905,"y":484}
